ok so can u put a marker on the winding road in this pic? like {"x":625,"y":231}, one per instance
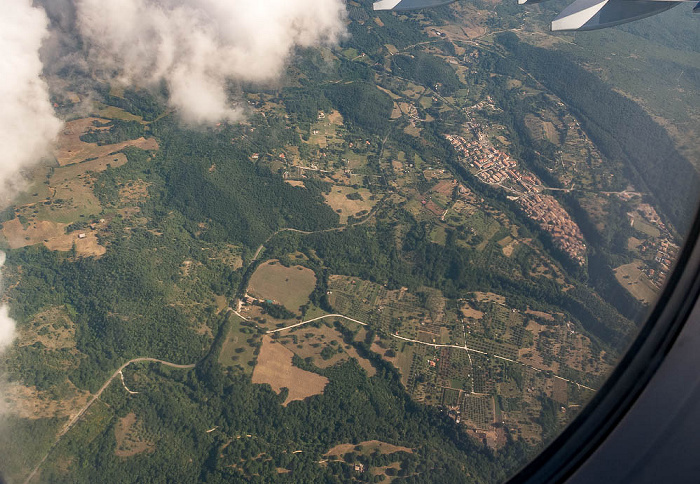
{"x":82,"y":411}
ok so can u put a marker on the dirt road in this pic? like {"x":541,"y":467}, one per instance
{"x":82,"y":411}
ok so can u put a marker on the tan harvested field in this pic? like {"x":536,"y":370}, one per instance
{"x":633,"y":243}
{"x":335,"y":118}
{"x":36,"y":232}
{"x":70,"y":172}
{"x":560,"y":391}
{"x":71,"y":149}
{"x":275,"y":368}
{"x":288,"y":286}
{"x":470,"y":312}
{"x":296,"y":183}
{"x":52,"y":235}
{"x":510,"y":248}
{"x":113,"y":112}
{"x":391,"y":94}
{"x":541,"y":129}
{"x":87,"y":246}
{"x":631,"y":277}
{"x":338,"y":200}
{"x":368,"y":447}
{"x":505,"y":241}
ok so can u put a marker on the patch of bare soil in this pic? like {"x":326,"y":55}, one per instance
{"x":275,"y":368}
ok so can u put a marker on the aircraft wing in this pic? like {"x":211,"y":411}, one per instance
{"x":599,"y":14}
{"x":399,"y":5}
{"x":580,"y":15}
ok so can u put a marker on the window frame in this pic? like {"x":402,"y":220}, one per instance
{"x":575,"y":444}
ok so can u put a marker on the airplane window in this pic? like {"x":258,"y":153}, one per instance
{"x":327,"y":240}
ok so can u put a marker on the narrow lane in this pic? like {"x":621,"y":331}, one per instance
{"x":82,"y":411}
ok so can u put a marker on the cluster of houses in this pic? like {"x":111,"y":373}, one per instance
{"x":552,"y":218}
{"x":495,"y":167}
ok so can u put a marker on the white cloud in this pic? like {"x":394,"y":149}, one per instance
{"x":7,"y":325}
{"x":196,"y":46}
{"x":27,"y":121}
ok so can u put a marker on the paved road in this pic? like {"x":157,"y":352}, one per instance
{"x":315,"y":319}
{"x":82,"y":411}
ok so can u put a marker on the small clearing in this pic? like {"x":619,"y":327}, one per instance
{"x":367,"y":448}
{"x":632,"y":277}
{"x":237,"y":351}
{"x":470,"y":312}
{"x":71,"y":149}
{"x":358,"y":204}
{"x":128,"y":435}
{"x":51,"y":327}
{"x":85,"y":243}
{"x":288,"y":286}
{"x":309,"y":342}
{"x":489,"y":297}
{"x":540,"y":314}
{"x":52,"y":235}
{"x":275,"y":368}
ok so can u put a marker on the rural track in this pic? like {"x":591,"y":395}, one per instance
{"x":82,"y":411}
{"x":306,"y":232}
{"x":315,"y":319}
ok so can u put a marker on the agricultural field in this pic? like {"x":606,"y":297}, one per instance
{"x":515,"y":354}
{"x":366,"y":448}
{"x":638,"y":223}
{"x":323,"y":346}
{"x":62,"y":195}
{"x":113,"y":112}
{"x":327,"y":131}
{"x":288,"y":286}
{"x":542,"y":129}
{"x":632,"y":277}
{"x":239,"y":346}
{"x":350,"y":202}
{"x":350,"y":454}
{"x":274,"y":367}
{"x":71,"y":149}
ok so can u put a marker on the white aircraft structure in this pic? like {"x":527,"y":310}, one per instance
{"x":580,"y":15}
